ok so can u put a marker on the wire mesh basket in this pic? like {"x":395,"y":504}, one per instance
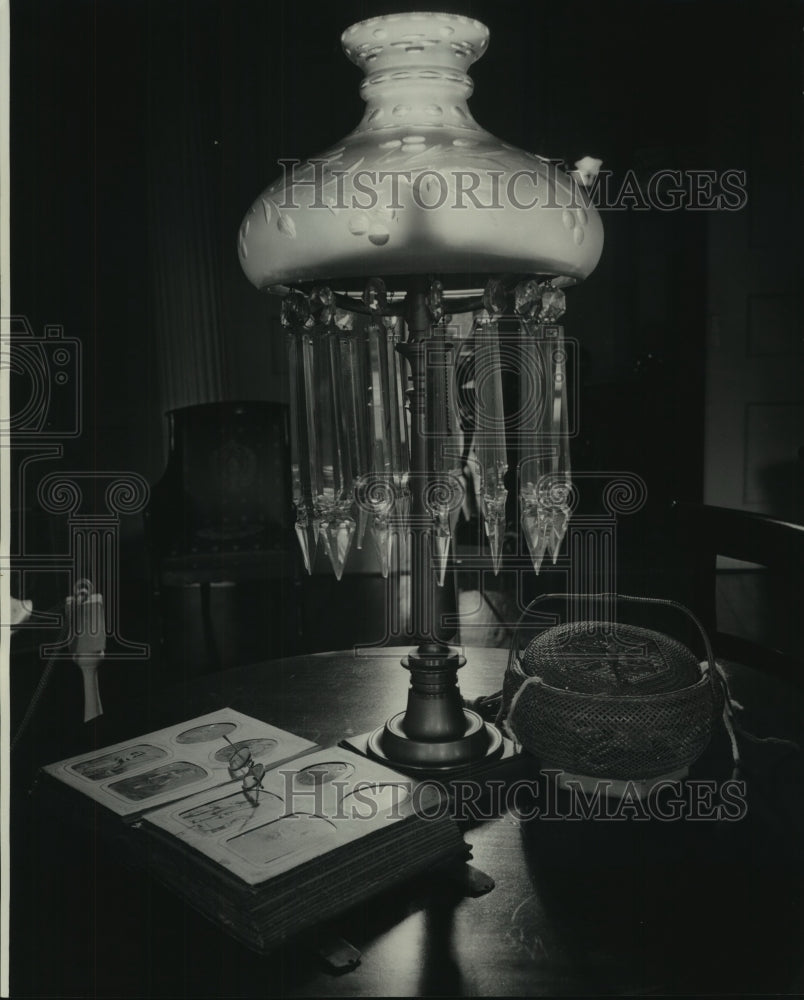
{"x":605,"y":699}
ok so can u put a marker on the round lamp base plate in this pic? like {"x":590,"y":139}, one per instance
{"x":479,"y":742}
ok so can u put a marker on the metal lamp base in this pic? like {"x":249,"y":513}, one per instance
{"x":393,"y":746}
{"x":435,"y":733}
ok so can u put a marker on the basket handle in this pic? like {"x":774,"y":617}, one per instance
{"x":666,"y":602}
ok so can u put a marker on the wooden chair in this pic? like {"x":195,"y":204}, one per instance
{"x":769,"y":593}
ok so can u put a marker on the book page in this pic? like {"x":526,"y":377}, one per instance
{"x":149,"y":771}
{"x":305,"y":808}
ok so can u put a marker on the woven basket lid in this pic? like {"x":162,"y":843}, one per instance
{"x":596,"y":658}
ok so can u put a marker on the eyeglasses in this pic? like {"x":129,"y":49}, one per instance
{"x":242,"y":765}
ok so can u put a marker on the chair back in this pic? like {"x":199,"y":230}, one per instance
{"x":226,"y":485}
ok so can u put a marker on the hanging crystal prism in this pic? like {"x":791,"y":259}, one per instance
{"x":466,"y":402}
{"x":535,"y":451}
{"x":349,"y":367}
{"x":379,"y":496}
{"x":528,"y":298}
{"x":489,"y":439}
{"x":394,"y":381}
{"x":545,"y":485}
{"x":385,"y":498}
{"x":444,"y":494}
{"x":400,"y":443}
{"x":552,"y":307}
{"x":302,"y":433}
{"x":560,"y":480}
{"x":335,"y":494}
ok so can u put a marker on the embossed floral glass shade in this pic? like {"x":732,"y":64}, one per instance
{"x":403,"y":193}
{"x":422,"y":263}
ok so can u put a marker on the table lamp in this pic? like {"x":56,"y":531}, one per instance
{"x":377,"y":246}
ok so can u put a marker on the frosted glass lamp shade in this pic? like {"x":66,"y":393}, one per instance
{"x":418,"y":187}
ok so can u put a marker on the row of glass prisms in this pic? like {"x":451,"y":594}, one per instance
{"x":350,"y":456}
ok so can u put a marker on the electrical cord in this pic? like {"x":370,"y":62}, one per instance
{"x":43,"y":680}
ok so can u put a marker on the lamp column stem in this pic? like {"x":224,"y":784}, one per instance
{"x":435,"y":733}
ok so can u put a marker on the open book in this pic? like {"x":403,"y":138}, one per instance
{"x":141,"y":774}
{"x":257,"y":828}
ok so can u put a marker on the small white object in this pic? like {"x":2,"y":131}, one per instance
{"x":88,"y":645}
{"x":586,"y":169}
{"x":20,"y":611}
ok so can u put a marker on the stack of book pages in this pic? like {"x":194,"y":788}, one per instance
{"x":291,"y":836}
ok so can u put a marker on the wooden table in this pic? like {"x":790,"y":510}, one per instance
{"x":589,"y":907}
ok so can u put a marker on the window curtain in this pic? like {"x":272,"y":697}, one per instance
{"x":183,"y":248}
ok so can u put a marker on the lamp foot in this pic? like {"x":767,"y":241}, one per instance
{"x":502,"y":763}
{"x":391,"y":744}
{"x":435,"y":733}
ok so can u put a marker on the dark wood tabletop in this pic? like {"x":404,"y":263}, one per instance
{"x":594,"y":907}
